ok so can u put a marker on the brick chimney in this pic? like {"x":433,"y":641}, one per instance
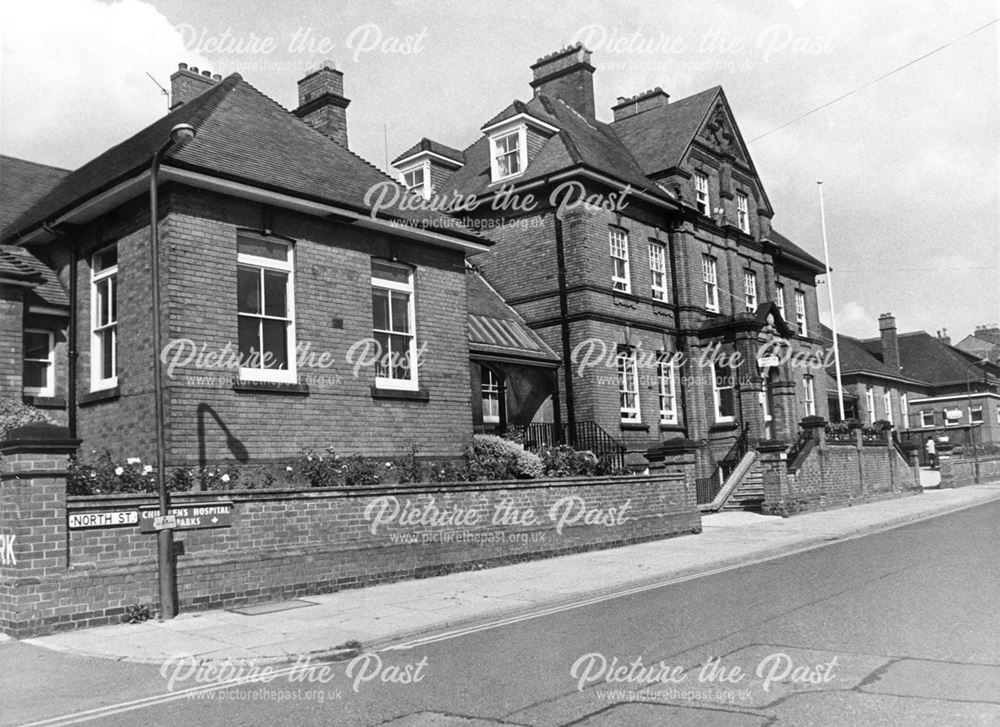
{"x":651,"y":99}
{"x":322,"y":104}
{"x":890,"y":343}
{"x":943,"y":336}
{"x":186,"y":83}
{"x":568,"y":75}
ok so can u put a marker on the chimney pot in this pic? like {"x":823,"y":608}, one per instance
{"x":651,"y":99}
{"x":890,"y":341}
{"x":188,"y":82}
{"x":567,"y":75}
{"x":217,"y":77}
{"x":322,"y":104}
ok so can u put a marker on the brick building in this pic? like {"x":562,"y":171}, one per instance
{"x":921,"y":384}
{"x":294,"y":315}
{"x":673,"y":262}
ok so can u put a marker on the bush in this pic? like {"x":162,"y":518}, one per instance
{"x":105,"y":476}
{"x":564,"y":461}
{"x":14,"y":414}
{"x":494,"y":458}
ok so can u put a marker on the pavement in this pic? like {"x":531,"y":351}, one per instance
{"x":382,"y":615}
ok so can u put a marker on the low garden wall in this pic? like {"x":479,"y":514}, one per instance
{"x":962,"y":472}
{"x":848,"y":470}
{"x":71,"y":561}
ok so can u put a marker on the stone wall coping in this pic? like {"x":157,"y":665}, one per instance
{"x":180,"y":498}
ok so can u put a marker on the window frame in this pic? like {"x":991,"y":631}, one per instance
{"x":710,"y":280}
{"x":97,"y":380}
{"x":658,"y":250}
{"x":702,"y":196}
{"x":489,"y":384}
{"x":49,"y":389}
{"x":923,"y":419}
{"x":424,"y":168}
{"x":666,"y":379}
{"x":801,"y":321}
{"x":261,"y":374}
{"x":779,"y":297}
{"x":976,"y":408}
{"x":904,"y":410}
{"x":717,"y":395}
{"x":388,"y":382}
{"x":750,"y":299}
{"x":629,"y":414}
{"x":809,"y":385}
{"x":743,"y":212}
{"x":870,"y":404}
{"x":519,"y":132}
{"x":619,"y":283}
{"x":887,"y":403}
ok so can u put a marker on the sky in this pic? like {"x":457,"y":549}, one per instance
{"x":910,"y":165}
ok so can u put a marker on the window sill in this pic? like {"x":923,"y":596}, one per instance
{"x":723,"y":427}
{"x":672,"y":428}
{"x":400,"y":394}
{"x":634,"y":427}
{"x":272,"y":387}
{"x":44,"y":402}
{"x":100,"y":395}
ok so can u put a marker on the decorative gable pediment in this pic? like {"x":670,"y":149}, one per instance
{"x":720,"y":135}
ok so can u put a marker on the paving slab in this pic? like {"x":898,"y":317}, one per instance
{"x":380,"y":615}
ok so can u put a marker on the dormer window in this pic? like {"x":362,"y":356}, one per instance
{"x":417,"y":179}
{"x":507,"y":154}
{"x":508,"y":144}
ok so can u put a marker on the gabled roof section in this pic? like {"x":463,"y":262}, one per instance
{"x":927,"y":358}
{"x":17,"y":264}
{"x":794,"y":253}
{"x":22,"y":184}
{"x":579,"y":143}
{"x":494,"y":328}
{"x":434,"y":147}
{"x":242,"y":136}
{"x":856,"y":358}
{"x":659,"y":137}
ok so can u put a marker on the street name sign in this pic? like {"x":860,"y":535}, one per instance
{"x":194,"y":516}
{"x":103,"y":519}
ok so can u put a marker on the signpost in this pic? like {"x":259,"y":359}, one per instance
{"x":196,"y":516}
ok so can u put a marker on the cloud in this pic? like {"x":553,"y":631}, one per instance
{"x":74,"y":76}
{"x":853,"y":319}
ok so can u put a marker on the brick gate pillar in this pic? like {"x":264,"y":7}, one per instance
{"x":32,"y":521}
{"x":774,"y":471}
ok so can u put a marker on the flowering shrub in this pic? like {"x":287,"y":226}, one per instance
{"x":564,"y":461}
{"x":494,"y":458}
{"x":14,"y":414}
{"x":328,"y":469}
{"x":882,"y":425}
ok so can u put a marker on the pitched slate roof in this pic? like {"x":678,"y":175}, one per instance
{"x":22,"y":184}
{"x":245,"y":136}
{"x":580,"y":142}
{"x":675,"y":125}
{"x":496,"y":328}
{"x":794,"y":252}
{"x":927,"y":358}
{"x":430,"y":145}
{"x":18,"y":264}
{"x":857,"y":358}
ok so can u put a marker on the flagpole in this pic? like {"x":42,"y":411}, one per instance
{"x":829,"y":290}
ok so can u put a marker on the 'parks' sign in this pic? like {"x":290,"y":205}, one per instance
{"x":190,"y":517}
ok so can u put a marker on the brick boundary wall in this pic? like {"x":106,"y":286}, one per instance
{"x":285,"y":543}
{"x":834,"y":474}
{"x":961,"y":472}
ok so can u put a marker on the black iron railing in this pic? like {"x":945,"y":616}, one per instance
{"x":585,"y":435}
{"x":706,"y":488}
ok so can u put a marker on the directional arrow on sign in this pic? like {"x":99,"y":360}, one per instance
{"x":215,"y":520}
